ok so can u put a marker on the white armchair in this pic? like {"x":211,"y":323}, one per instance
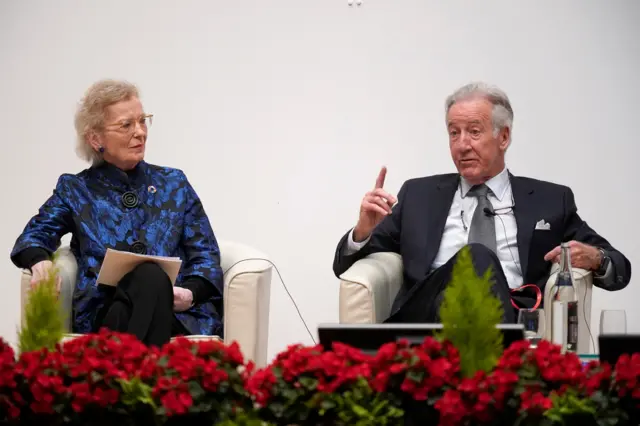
{"x":369,"y":287}
{"x":247,"y":290}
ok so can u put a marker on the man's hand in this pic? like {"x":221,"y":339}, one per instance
{"x":375,"y":206}
{"x":40,"y":272}
{"x":182,"y":299}
{"x":583,"y":256}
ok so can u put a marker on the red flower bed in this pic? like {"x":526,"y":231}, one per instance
{"x":110,"y":378}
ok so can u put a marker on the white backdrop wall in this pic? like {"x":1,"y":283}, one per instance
{"x":281,"y":113}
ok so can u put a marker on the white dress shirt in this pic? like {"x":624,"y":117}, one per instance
{"x":456,"y":229}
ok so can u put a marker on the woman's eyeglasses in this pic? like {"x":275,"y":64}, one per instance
{"x":128,"y":126}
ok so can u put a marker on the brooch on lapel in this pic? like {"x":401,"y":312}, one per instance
{"x":151,"y":189}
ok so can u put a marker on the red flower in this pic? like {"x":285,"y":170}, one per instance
{"x":177,"y":401}
{"x":597,"y":378}
{"x":627,"y":377}
{"x":9,"y":407}
{"x":534,"y":402}
{"x":452,"y":410}
{"x":420,"y":371}
{"x":260,"y":385}
{"x":209,"y":367}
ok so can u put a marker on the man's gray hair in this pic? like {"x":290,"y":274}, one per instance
{"x":501,"y":114}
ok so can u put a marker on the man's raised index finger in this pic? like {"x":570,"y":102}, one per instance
{"x":381,"y":176}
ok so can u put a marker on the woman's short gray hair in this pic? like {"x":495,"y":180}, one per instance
{"x":501,"y":114}
{"x":90,"y":114}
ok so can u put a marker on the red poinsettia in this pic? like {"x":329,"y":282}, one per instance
{"x":542,"y":370}
{"x":197,"y":377}
{"x":420,"y":371}
{"x":626,"y":385}
{"x":110,"y":373}
{"x":524,"y":378}
{"x":95,"y":364}
{"x":10,"y":399}
{"x":40,"y":380}
{"x":301,"y":381}
{"x":83,"y":374}
{"x":627,"y":377}
{"x":598,"y":378}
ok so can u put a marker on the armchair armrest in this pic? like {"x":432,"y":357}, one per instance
{"x":67,"y":269}
{"x":583,"y":281}
{"x":369,"y":287}
{"x":247,"y":292}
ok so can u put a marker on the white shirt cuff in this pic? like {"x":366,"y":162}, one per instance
{"x":352,"y":246}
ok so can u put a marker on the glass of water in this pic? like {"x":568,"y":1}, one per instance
{"x":613,"y":321}
{"x":533,"y":322}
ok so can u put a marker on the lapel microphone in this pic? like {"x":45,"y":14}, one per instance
{"x":490,"y":212}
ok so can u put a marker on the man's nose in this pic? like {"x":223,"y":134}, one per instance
{"x":464,"y":141}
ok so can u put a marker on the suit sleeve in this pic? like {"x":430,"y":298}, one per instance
{"x":384,"y":238}
{"x":577,"y":229}
{"x":41,"y":236}
{"x":202,"y":255}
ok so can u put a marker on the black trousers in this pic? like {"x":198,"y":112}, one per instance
{"x":141,"y":304}
{"x":423,"y":302}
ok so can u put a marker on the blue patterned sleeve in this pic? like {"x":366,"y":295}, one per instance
{"x":199,"y":243}
{"x":45,"y":229}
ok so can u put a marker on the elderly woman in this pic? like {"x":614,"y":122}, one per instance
{"x":123,"y":203}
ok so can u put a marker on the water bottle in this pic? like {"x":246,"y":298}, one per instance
{"x":565,"y":305}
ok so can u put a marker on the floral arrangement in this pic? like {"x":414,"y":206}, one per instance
{"x":110,"y":378}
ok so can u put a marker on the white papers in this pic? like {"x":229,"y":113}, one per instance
{"x":117,"y":264}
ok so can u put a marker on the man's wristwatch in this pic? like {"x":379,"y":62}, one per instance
{"x":604,"y":263}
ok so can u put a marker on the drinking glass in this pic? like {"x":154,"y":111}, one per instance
{"x":613,"y":321}
{"x":533,"y":322}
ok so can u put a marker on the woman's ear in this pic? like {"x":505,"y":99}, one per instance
{"x":93,"y":139}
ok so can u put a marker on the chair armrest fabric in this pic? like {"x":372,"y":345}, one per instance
{"x":247,"y":293}
{"x":369,"y":287}
{"x":583,"y":281}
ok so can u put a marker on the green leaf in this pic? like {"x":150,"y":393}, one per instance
{"x":135,"y":392}
{"x":360,"y":411}
{"x":327,"y":404}
{"x":195,"y":390}
{"x":308,"y":382}
{"x":570,"y":405}
{"x":470,"y":313}
{"x":95,"y":376}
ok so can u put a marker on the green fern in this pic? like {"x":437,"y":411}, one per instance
{"x":469,"y":314}
{"x":43,"y":324}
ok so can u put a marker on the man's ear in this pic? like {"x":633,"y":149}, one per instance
{"x":505,"y":138}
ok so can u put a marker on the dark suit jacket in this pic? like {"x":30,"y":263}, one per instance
{"x":414,"y":230}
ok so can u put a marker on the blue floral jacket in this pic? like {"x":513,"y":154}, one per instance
{"x":152,"y":210}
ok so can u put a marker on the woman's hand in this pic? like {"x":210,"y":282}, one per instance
{"x":182,"y":299}
{"x":41,"y":271}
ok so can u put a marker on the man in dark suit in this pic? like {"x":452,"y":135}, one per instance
{"x":513,"y":224}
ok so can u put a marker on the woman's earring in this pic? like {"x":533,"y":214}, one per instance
{"x":101,"y":149}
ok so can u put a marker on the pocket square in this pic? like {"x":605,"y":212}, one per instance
{"x":542,"y":225}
